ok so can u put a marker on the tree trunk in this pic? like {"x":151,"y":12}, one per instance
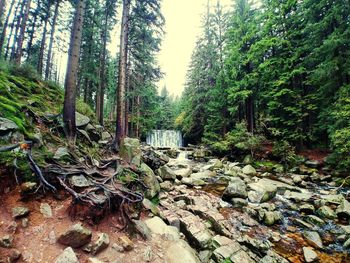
{"x":71,"y":76}
{"x":19,"y":51}
{"x":53,"y":28}
{"x":3,"y":34}
{"x":123,"y":58}
{"x":2,"y":8}
{"x":32,"y":31}
{"x":42,"y":45}
{"x":250,"y":114}
{"x":18,"y":24}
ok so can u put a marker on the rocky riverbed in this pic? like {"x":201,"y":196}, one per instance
{"x":196,"y":209}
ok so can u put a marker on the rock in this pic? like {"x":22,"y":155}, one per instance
{"x":166,"y":186}
{"x":76,"y":236}
{"x":157,"y":226}
{"x":302,"y":223}
{"x":7,"y":125}
{"x":262,"y":191}
{"x":101,"y":243}
{"x":79,"y":181}
{"x":313,"y":163}
{"x":67,"y":256}
{"x":61,"y":153}
{"x":28,"y":187}
{"x":297,"y":178}
{"x":309,"y":254}
{"x":249,"y":170}
{"x":346,"y":243}
{"x":273,"y":257}
{"x":81,"y":120}
{"x":6,"y":241}
{"x":25,"y":222}
{"x":142,"y":229}
{"x":150,"y":206}
{"x":20,"y":211}
{"x":192,"y":182}
{"x":299,"y":197}
{"x":236,"y":188}
{"x":125,"y":243}
{"x":94,"y":260}
{"x":226,"y":251}
{"x":130,"y":151}
{"x":106,"y":136}
{"x":85,"y":135}
{"x":343,"y":209}
{"x":307,"y":208}
{"x":248,"y":159}
{"x":232,"y":169}
{"x":203,"y":175}
{"x":205,"y":255}
{"x":314,"y":220}
{"x":326,"y":212}
{"x":183,"y":172}
{"x":239,"y":202}
{"x":45,"y":210}
{"x":180,"y":252}
{"x":271,"y":218}
{"x":241,"y":257}
{"x":200,"y":153}
{"x":166,"y":173}
{"x":150,"y":180}
{"x":332,"y":199}
{"x":313,"y":238}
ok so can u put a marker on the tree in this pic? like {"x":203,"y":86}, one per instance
{"x":19,"y":51}
{"x":4,"y":29}
{"x":71,"y":75}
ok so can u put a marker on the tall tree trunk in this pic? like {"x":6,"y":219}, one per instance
{"x":19,"y":51}
{"x":42,"y":44}
{"x":2,"y":8}
{"x":102,"y":86}
{"x":250,"y":114}
{"x":138,"y":105}
{"x":18,"y":25}
{"x":32,"y":31}
{"x":3,"y":34}
{"x":123,"y":58}
{"x":71,"y":76}
{"x":53,"y":28}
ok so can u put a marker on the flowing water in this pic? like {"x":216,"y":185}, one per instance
{"x":164,"y":138}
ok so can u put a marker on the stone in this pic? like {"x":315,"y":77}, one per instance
{"x":248,"y":159}
{"x":297,"y":178}
{"x":81,"y":120}
{"x":261,"y":192}
{"x":28,"y":187}
{"x":313,"y":163}
{"x":239,"y":202}
{"x":130,"y":151}
{"x":249,"y":170}
{"x":241,"y":257}
{"x":299,"y":197}
{"x":333,"y":199}
{"x":203,"y":175}
{"x":106,"y":136}
{"x":219,"y":241}
{"x":45,"y":210}
{"x":76,"y":236}
{"x":343,"y":209}
{"x":150,"y":206}
{"x":157,"y":226}
{"x":271,"y":218}
{"x":94,"y":260}
{"x":200,"y":153}
{"x":79,"y":181}
{"x":180,"y":252}
{"x":166,"y":173}
{"x":25,"y":222}
{"x":125,"y":243}
{"x":85,"y":135}
{"x":302,"y":223}
{"x":314,"y":220}
{"x":307,"y":208}
{"x":326,"y":212}
{"x":6,"y":241}
{"x":309,"y":254}
{"x":148,"y":255}
{"x":313,"y":238}
{"x":61,"y":153}
{"x":67,"y":256}
{"x":236,"y":188}
{"x":101,"y":243}
{"x":166,"y":186}
{"x":20,"y":211}
{"x":7,"y":125}
{"x":142,"y":229}
{"x":205,"y":255}
{"x":192,"y":182}
{"x":346,"y":243}
{"x":150,"y":180}
{"x":226,"y":251}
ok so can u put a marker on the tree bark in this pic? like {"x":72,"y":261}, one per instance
{"x":18,"y":25}
{"x":19,"y":51}
{"x":42,"y":44}
{"x":71,"y":75}
{"x":3,"y":34}
{"x":2,"y":8}
{"x":53,"y":28}
{"x":32,"y":31}
{"x":123,"y":58}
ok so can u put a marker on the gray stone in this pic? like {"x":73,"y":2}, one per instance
{"x":236,"y":188}
{"x":309,"y":254}
{"x":313,"y":238}
{"x":193,"y":182}
{"x":343,"y":209}
{"x":203,"y":175}
{"x":271,"y":218}
{"x":67,"y":256}
{"x":61,"y":152}
{"x":157,"y":226}
{"x":45,"y":210}
{"x":101,"y":243}
{"x":79,"y":181}
{"x":150,"y":206}
{"x":314,"y":220}
{"x":166,"y":186}
{"x":150,"y":181}
{"x":299,"y":197}
{"x":166,"y":173}
{"x":261,"y":192}
{"x":326,"y":212}
{"x":239,"y":202}
{"x":76,"y":236}
{"x":346,"y":243}
{"x":130,"y":151}
{"x":307,"y":208}
{"x":180,"y":252}
{"x":302,"y":223}
{"x":142,"y":229}
{"x":226,"y":251}
{"x":106,"y":136}
{"x":7,"y":125}
{"x":249,"y":170}
{"x":81,"y":120}
{"x":6,"y":241}
{"x":20,"y":211}
{"x":241,"y":257}
{"x":205,"y":255}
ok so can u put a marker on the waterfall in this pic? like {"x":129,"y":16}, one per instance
{"x":164,"y":138}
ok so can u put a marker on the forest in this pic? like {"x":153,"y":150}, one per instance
{"x":257,"y":169}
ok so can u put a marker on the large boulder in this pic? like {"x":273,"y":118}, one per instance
{"x":150,"y":180}
{"x":76,"y":236}
{"x":261,"y":192}
{"x":81,"y":120}
{"x":130,"y":150}
{"x":249,"y":170}
{"x":157,"y":226}
{"x":343,"y":209}
{"x":180,"y":252}
{"x":313,"y":238}
{"x":67,"y":256}
{"x":166,"y":173}
{"x":236,"y":188}
{"x":7,"y":125}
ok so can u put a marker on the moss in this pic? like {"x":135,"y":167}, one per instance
{"x":85,"y":109}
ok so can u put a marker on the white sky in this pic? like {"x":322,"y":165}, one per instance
{"x":183,"y":22}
